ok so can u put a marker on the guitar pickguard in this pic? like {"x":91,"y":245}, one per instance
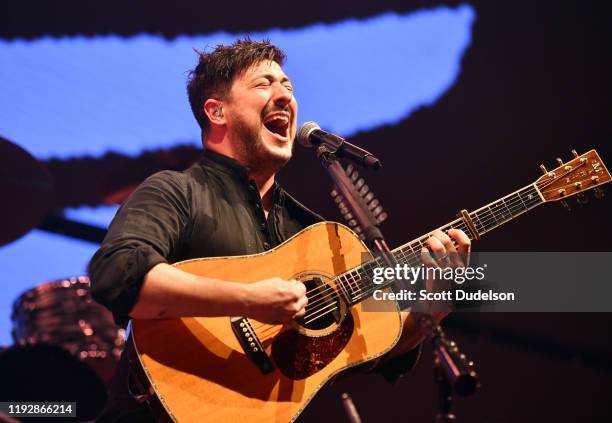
{"x":298,"y":355}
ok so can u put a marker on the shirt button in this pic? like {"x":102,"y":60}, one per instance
{"x":263,"y":226}
{"x":266,"y":245}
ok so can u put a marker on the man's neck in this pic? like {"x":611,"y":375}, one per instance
{"x":263,"y":179}
{"x":265,"y":183}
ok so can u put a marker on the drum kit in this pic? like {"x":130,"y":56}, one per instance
{"x":66,"y":346}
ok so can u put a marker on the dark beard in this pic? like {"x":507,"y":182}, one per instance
{"x":252,"y":152}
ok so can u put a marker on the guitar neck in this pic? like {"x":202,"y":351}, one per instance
{"x":357,"y":284}
{"x":485,"y":219}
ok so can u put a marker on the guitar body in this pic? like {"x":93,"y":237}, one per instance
{"x":200,"y":371}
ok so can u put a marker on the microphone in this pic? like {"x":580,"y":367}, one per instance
{"x":310,"y":134}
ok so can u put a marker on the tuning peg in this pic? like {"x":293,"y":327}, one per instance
{"x":566,"y":206}
{"x":559,"y":161}
{"x":574,"y":153}
{"x":599,"y":193}
{"x":581,"y":198}
{"x":543,"y":168}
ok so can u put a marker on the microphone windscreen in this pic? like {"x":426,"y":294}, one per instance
{"x":303,"y":135}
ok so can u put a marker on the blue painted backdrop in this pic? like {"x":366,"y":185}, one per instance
{"x":77,"y":96}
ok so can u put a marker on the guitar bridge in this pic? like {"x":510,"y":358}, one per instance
{"x":250,"y":343}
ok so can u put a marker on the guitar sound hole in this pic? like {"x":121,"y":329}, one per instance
{"x":323,"y":309}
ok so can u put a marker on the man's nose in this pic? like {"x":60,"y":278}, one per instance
{"x":282,"y":95}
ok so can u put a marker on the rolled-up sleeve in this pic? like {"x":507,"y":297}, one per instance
{"x":147,"y":230}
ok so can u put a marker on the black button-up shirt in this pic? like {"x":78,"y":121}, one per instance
{"x":211,"y":209}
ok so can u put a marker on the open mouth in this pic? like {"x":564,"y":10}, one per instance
{"x":278,"y":125}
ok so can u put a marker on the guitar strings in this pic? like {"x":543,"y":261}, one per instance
{"x":540,"y":185}
{"x":459,"y":224}
{"x":314,"y":313}
{"x":510,"y":206}
{"x":366,"y":293}
{"x":407,"y":253}
{"x":331,"y":292}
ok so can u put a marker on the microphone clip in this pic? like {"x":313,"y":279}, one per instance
{"x":310,"y":134}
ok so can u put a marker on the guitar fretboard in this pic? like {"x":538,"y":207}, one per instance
{"x":357,"y":284}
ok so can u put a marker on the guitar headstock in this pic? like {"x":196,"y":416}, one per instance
{"x":582,"y":173}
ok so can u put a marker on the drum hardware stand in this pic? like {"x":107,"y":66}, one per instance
{"x":452,"y":369}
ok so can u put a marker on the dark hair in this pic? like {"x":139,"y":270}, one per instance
{"x":216,"y":71}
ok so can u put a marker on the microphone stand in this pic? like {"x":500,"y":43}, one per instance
{"x":452,"y":368}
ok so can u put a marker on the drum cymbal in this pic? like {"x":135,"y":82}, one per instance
{"x":63,"y":313}
{"x":26,"y":191}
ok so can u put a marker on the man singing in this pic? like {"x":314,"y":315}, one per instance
{"x":227,"y":204}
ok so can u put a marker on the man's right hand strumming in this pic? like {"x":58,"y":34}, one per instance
{"x":276,"y":300}
{"x":169,"y":292}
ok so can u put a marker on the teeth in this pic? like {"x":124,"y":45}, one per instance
{"x":277,"y":117}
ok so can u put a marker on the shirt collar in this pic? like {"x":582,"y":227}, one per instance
{"x":232,"y":166}
{"x":224,"y":163}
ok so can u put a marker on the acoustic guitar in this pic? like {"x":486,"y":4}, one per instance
{"x":230,"y":369}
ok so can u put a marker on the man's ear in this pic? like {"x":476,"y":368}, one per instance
{"x":214,"y":111}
